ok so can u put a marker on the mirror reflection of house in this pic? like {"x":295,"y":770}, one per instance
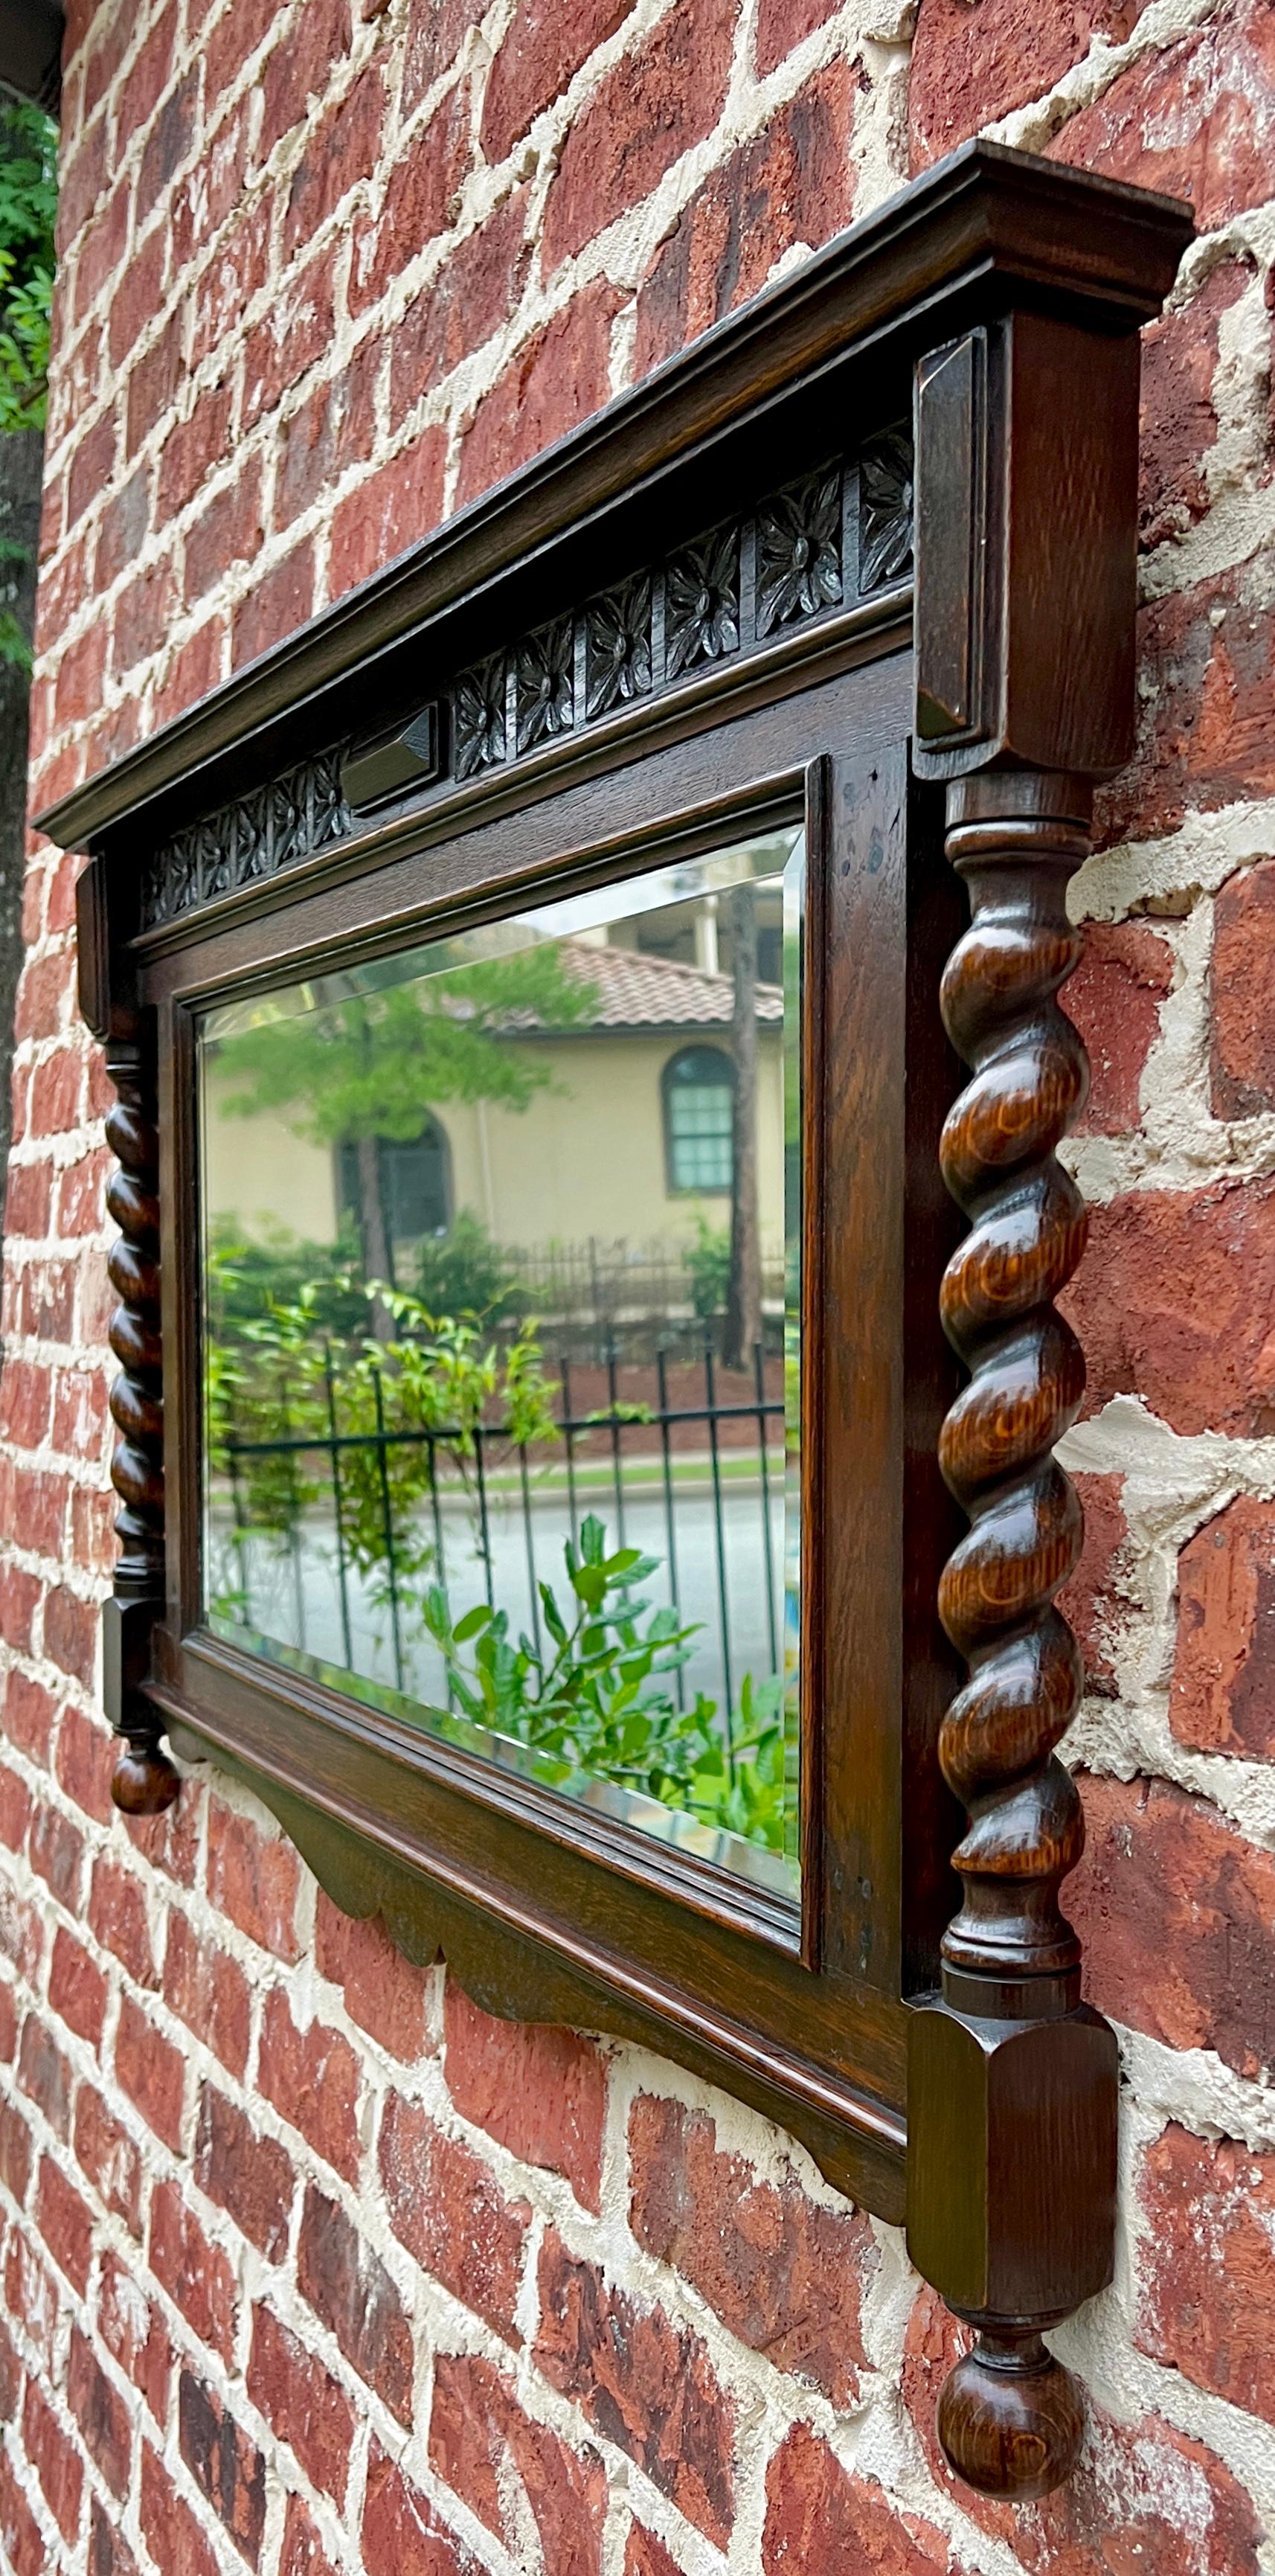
{"x":624,"y":1141}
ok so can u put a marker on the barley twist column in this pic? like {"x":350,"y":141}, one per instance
{"x":144,"y":1780}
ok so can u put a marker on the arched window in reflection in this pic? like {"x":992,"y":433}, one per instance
{"x":698,"y":1097}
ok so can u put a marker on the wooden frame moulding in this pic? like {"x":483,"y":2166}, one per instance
{"x":700,"y":608}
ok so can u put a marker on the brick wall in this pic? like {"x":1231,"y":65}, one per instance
{"x":304,"y":2263}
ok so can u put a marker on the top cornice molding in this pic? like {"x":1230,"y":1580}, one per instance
{"x":985,"y":230}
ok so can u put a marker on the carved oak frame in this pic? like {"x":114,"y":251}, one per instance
{"x":701,"y":605}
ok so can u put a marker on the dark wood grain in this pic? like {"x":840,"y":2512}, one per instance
{"x":144,"y":1781}
{"x":1012,"y":2081}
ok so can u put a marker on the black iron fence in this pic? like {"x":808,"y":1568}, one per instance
{"x":687,"y":1432}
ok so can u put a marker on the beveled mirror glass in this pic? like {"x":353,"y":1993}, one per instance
{"x":501,"y":1272}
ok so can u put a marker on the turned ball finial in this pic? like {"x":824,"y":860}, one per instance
{"x":1011,"y":2420}
{"x":144,"y":1782}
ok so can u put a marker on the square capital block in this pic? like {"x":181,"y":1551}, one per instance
{"x":1012,"y":2160}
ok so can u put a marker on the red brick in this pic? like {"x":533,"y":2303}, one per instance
{"x":21,"y":1934}
{"x":334,"y":428}
{"x":434,"y":37}
{"x":44,"y":2074}
{"x":781,"y":24}
{"x":139,"y":293}
{"x":304,"y":2406}
{"x":224,"y":2462}
{"x":644,"y":115}
{"x":26,"y":1402}
{"x":156,"y":380}
{"x":20,"y":1595}
{"x":398,"y":504}
{"x":15,"y":1809}
{"x":197,"y":2275}
{"x":10,"y":2378}
{"x":383,"y":1992}
{"x":554,"y":383}
{"x":28,"y":1708}
{"x":83,"y":1763}
{"x":420,"y":201}
{"x":70,"y":1634}
{"x":1196,"y":119}
{"x":56,"y":1847}
{"x":1207,"y":707}
{"x":91,"y":469}
{"x":644,"y":2555}
{"x":151,"y":2072}
{"x":208,"y":1991}
{"x":250,"y":2176}
{"x":297,"y":331}
{"x":148,"y":78}
{"x":168,"y":143}
{"x":820,"y":2515}
{"x":108,"y":2158}
{"x":1142,"y":2494}
{"x":1179,"y":416}
{"x":118,"y":1919}
{"x":228,"y":531}
{"x":312,"y":2077}
{"x":77,"y":1988}
{"x":401,"y":2529}
{"x":302,"y":2553}
{"x":15,"y":2151}
{"x":1114,"y":999}
{"x":78,"y":688}
{"x":643,"y":2383}
{"x":1223,"y":1697}
{"x":276,"y":608}
{"x":101,"y":2413}
{"x":447,"y":2209}
{"x":352,"y":2294}
{"x":974,"y":60}
{"x":1242,"y":983}
{"x":542,"y":50}
{"x":1177,"y":1914}
{"x":193,"y":670}
{"x":55,"y":2460}
{"x":192,"y":451}
{"x":1172,"y":1303}
{"x":784,"y":2275}
{"x":255,"y":1878}
{"x":24,"y":2550}
{"x":132,"y":2330}
{"x":28,"y":1198}
{"x":33,"y":2296}
{"x":471,"y":297}
{"x":169,"y":2528}
{"x":144,"y":612}
{"x":237,"y":34}
{"x":295,"y":73}
{"x":55,"y":1094}
{"x":8,"y":2026}
{"x":29,"y":1711}
{"x":342,"y":149}
{"x":1094,"y":1599}
{"x":540,"y":2091}
{"x":81,"y":1194}
{"x":234,"y":275}
{"x":508,"y":2469}
{"x":1208,"y":2259}
{"x":170,"y":1843}
{"x":109,"y":2552}
{"x":65,"y":2222}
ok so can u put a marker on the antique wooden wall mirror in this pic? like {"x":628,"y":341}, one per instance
{"x":587,"y":1395}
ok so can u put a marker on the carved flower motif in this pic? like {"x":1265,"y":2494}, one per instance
{"x":799,"y":550}
{"x":479,"y":717}
{"x":216,"y":859}
{"x":702,"y":602}
{"x":330,"y":816}
{"x":618,"y":646}
{"x":885,"y":509}
{"x":546,"y":684}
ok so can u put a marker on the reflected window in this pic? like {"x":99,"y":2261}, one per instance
{"x":698,"y":1110}
{"x":395,"y":1193}
{"x":537,"y":1495}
